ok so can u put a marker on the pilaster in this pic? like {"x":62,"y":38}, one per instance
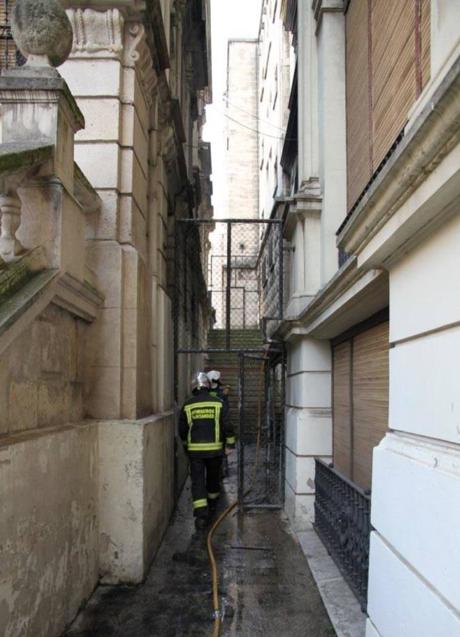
{"x":330,"y":35}
{"x":307,"y":100}
{"x":308,"y":424}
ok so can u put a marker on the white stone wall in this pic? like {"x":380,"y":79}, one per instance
{"x":308,"y":424}
{"x":416,"y":475}
{"x":317,"y":212}
{"x":274,"y":83}
{"x":113,"y":151}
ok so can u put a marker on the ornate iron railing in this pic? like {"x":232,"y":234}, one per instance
{"x":342,"y":520}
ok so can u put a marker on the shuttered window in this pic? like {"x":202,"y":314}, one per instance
{"x":360,"y":400}
{"x":424,"y":44}
{"x":359,"y":120}
{"x":387,"y":64}
{"x":370,"y":398}
{"x":342,"y":408}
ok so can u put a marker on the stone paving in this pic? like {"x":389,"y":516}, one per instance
{"x":266,"y":586}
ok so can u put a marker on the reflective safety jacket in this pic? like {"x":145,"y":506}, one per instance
{"x":204,"y":426}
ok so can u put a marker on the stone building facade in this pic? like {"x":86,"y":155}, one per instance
{"x":367,"y":183}
{"x":96,"y":166}
{"x":241,"y":197}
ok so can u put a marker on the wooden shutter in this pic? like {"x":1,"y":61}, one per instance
{"x":394,"y":80}
{"x":370,"y":398}
{"x":425,"y":40}
{"x":387,"y":66}
{"x":342,"y":407}
{"x":359,"y":158}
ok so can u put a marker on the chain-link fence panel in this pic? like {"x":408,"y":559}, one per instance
{"x":261,"y":431}
{"x":244,"y":276}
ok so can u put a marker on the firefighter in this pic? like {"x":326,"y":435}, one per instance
{"x":219,"y":391}
{"x":207,"y":436}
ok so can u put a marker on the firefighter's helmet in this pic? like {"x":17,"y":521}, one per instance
{"x":200,"y":380}
{"x":214,"y":377}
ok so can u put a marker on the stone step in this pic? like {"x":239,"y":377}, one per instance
{"x":240,"y":339}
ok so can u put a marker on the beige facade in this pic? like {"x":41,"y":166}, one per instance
{"x":94,"y":173}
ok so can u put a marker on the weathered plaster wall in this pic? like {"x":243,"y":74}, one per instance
{"x":136,"y":460}
{"x":48,"y":529}
{"x":48,"y":473}
{"x":158,"y":481}
{"x":41,"y":374}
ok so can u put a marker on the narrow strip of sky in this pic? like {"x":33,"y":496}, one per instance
{"x":229,"y":19}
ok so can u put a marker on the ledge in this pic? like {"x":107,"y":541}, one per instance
{"x":79,"y":299}
{"x":84,"y":192}
{"x":351,"y":296}
{"x":13,"y":308}
{"x":18,"y":156}
{"x":16,"y":273}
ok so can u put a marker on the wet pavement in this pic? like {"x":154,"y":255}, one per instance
{"x":265,"y":584}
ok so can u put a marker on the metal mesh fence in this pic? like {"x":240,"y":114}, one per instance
{"x":261,"y":430}
{"x":244,"y":275}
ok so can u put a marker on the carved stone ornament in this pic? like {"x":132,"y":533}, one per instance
{"x":137,"y":55}
{"x":96,"y":31}
{"x":42,"y":32}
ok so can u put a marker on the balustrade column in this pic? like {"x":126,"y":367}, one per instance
{"x":10,"y":217}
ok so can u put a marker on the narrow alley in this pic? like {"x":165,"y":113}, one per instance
{"x":229,"y":257}
{"x":265,"y":583}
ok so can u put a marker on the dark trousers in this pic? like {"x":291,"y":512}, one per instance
{"x":205,"y":475}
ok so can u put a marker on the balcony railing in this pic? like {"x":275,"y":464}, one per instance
{"x":342,"y":520}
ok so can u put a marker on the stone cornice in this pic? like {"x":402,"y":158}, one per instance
{"x":130,"y":8}
{"x":335,"y":308}
{"x":428,"y":141}
{"x":28,"y":85}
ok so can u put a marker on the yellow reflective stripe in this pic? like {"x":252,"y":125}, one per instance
{"x":231,"y":440}
{"x":213,"y":496}
{"x":188,"y":413}
{"x":210,"y":403}
{"x":216,"y":424}
{"x":205,"y":446}
{"x":198,"y":504}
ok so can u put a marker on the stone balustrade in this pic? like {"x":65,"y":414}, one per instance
{"x":10,"y":211}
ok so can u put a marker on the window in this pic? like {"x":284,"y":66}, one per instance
{"x":387,"y":66}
